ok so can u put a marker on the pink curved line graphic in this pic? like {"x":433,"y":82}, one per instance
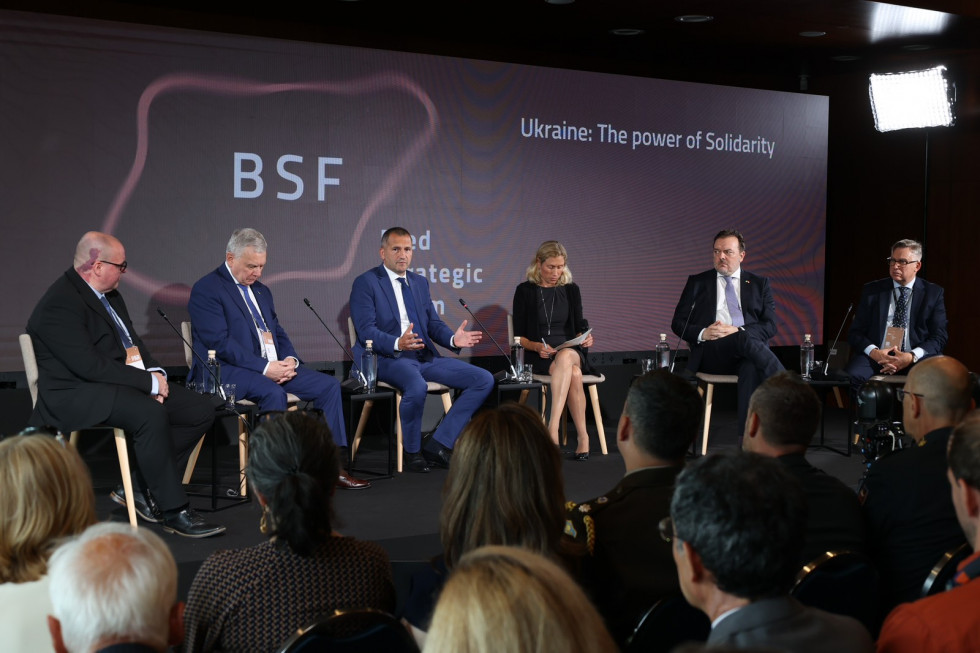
{"x":244,"y":87}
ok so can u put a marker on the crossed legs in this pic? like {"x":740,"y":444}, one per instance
{"x":566,"y":387}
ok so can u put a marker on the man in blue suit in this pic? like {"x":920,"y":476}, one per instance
{"x":727,"y":316}
{"x":391,"y":306}
{"x":901,"y":301}
{"x":233,"y":314}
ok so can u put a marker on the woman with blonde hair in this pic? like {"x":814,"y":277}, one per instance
{"x":502,"y":598}
{"x":547,"y":311}
{"x":45,"y":495}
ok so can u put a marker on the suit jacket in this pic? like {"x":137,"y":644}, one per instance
{"x":80,"y":358}
{"x":220,"y":320}
{"x":629,"y":567}
{"x":701,"y":290}
{"x":927,"y":316}
{"x":782,"y":623}
{"x":374,"y":310}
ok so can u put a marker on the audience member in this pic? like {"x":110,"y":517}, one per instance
{"x":253,"y":599}
{"x":45,"y":494}
{"x":504,"y":487}
{"x":629,"y":567}
{"x":114,"y":590}
{"x":784,"y":414}
{"x":738,"y":524}
{"x":911,"y":519}
{"x":504,"y":598}
{"x":948,"y":622}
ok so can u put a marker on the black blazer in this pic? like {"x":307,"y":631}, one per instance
{"x":927,"y":316}
{"x":701,"y":290}
{"x":525,"y":316}
{"x":80,"y":358}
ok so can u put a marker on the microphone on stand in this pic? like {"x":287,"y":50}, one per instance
{"x":833,"y":347}
{"x":204,"y":364}
{"x":502,"y":375}
{"x":352,"y":385}
{"x":673,"y":358}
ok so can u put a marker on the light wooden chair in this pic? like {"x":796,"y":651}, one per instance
{"x":706,"y":388}
{"x":432,"y":388}
{"x":589,"y":381}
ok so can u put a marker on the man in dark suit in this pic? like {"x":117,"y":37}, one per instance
{"x":729,"y":316}
{"x":906,"y":499}
{"x":391,"y":306}
{"x":784,"y":414}
{"x":629,"y":566}
{"x":94,"y":369}
{"x":901,"y":301}
{"x":233,"y":314}
{"x":737,"y":525}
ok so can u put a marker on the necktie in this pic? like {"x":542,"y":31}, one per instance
{"x":409,"y":301}
{"x":127,"y":342}
{"x":732,"y":301}
{"x":259,"y":322}
{"x":901,"y":317}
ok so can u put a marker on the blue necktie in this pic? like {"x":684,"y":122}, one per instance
{"x":901,"y":317}
{"x":411,"y":309}
{"x":127,"y":342}
{"x":732,"y":301}
{"x":259,"y":322}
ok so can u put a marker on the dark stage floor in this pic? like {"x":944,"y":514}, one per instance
{"x":402,"y":513}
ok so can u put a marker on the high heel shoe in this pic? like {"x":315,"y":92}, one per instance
{"x":579,"y":456}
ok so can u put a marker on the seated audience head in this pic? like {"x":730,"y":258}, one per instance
{"x":45,"y":494}
{"x":502,"y":598}
{"x":114,"y":584}
{"x":293,"y":465}
{"x":937,"y":394}
{"x":739,"y":522}
{"x":964,"y":475}
{"x":549,"y":249}
{"x":784,"y":413}
{"x":505,"y":485}
{"x":659,"y":421}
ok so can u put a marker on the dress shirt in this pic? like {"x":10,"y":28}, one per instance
{"x":259,"y":326}
{"x":155,"y":390}
{"x":918,"y":352}
{"x":402,"y":313}
{"x":722,"y":314}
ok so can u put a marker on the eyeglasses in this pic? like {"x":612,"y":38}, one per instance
{"x":666,"y":528}
{"x":900,"y":393}
{"x":122,"y":266}
{"x":900,"y":262}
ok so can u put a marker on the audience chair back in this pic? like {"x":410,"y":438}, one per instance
{"x":591,"y":383}
{"x":668,"y":623}
{"x":353,"y":631}
{"x":942,"y":574}
{"x":842,"y":582}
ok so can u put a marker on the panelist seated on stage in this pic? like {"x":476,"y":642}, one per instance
{"x":547,"y":312}
{"x":899,"y":320}
{"x":392,"y":307}
{"x":727,"y":316}
{"x":93,"y":368}
{"x":232,"y":312}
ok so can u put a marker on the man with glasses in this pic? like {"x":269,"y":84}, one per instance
{"x":93,"y":368}
{"x":899,"y":320}
{"x":727,"y":316}
{"x":905,"y":496}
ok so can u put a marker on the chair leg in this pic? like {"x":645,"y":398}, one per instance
{"x":127,"y":479}
{"x":523,"y":398}
{"x":709,"y":398}
{"x":361,"y":424}
{"x":192,"y":461}
{"x":594,"y":394}
{"x":837,"y":396}
{"x":447,"y":401}
{"x":544,"y":403}
{"x":242,"y":456}
{"x":398,"y":431}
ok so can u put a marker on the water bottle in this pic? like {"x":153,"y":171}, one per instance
{"x":806,"y":356}
{"x":212,"y":377}
{"x":517,"y":357}
{"x":663,"y":352}
{"x":369,"y":367}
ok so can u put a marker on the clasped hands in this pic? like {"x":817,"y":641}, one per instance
{"x":718,"y":330}
{"x":892,"y":361}
{"x":281,"y":371}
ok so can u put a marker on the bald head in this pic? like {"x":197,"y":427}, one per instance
{"x":94,"y":246}
{"x":946,"y":387}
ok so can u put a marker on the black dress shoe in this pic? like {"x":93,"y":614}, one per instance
{"x":579,"y":456}
{"x":416,"y":463}
{"x":347,"y":482}
{"x":190,"y":524}
{"x":441,"y":457}
{"x":146,"y":506}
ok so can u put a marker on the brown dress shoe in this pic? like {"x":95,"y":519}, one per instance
{"x":347,"y":482}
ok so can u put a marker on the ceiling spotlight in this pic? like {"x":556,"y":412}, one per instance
{"x":694,"y":18}
{"x":813,"y":34}
{"x":626,"y":31}
{"x":911,"y":100}
{"x":559,"y":2}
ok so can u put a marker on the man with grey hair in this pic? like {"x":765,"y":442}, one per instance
{"x":114,"y":588}
{"x":737,"y":527}
{"x":232,"y":312}
{"x":899,"y":320}
{"x":629,"y":568}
